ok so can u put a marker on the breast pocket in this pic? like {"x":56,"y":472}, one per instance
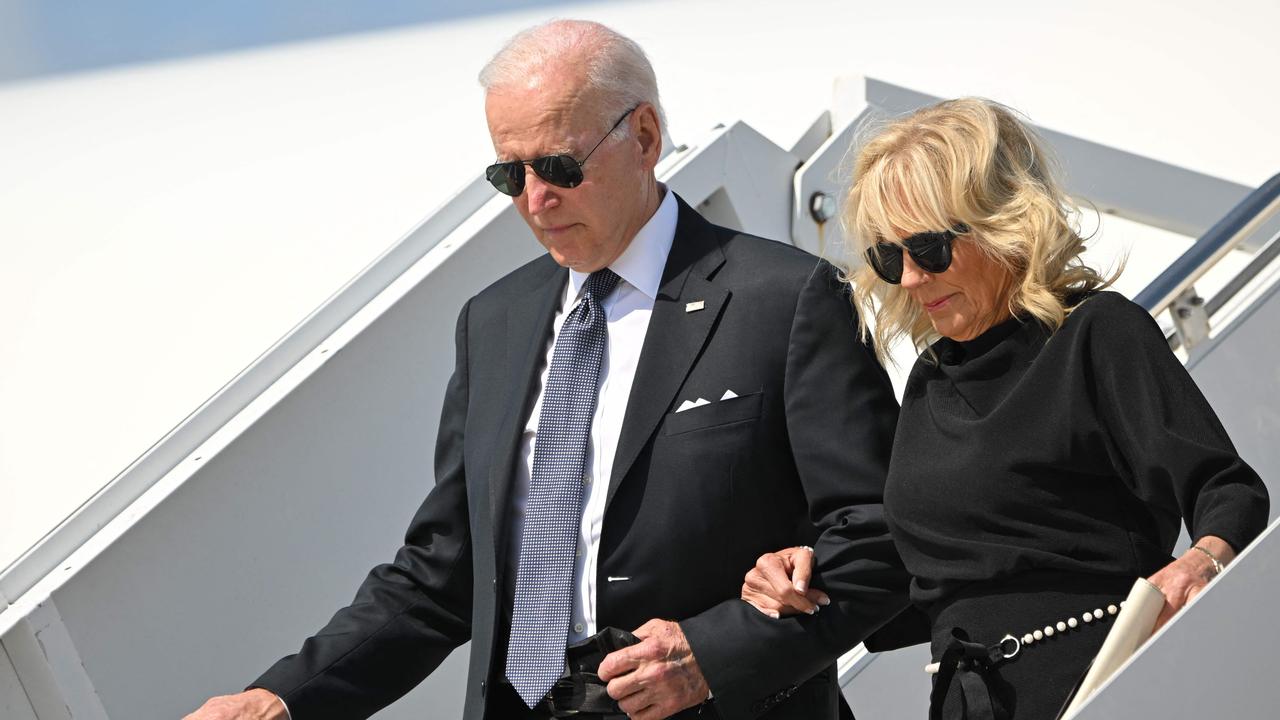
{"x":725,"y":412}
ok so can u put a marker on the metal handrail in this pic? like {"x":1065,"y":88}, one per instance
{"x":1269,"y":252}
{"x":1264,"y":257}
{"x":1239,"y":223}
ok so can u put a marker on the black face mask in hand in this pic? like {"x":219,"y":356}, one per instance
{"x":582,"y":693}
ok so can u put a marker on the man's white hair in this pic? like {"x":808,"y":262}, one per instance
{"x":615,"y":66}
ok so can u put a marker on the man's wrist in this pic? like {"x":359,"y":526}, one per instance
{"x":271,"y":705}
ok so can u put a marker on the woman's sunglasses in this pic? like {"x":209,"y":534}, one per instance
{"x":559,"y":170}
{"x":931,"y":251}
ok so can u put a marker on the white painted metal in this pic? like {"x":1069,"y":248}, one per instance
{"x":218,"y":410}
{"x":40,"y":688}
{"x":1190,"y":319}
{"x":1112,"y":180}
{"x":1215,"y":659}
{"x":889,"y":684}
{"x":14,"y":703}
{"x":821,"y":174}
{"x":73,"y":692}
{"x":1251,"y":236}
{"x":1237,"y":369}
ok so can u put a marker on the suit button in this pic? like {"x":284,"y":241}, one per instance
{"x":482,"y":688}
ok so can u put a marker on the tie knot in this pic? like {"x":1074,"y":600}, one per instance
{"x":600,"y":283}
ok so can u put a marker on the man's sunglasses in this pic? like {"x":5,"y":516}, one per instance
{"x":559,"y":170}
{"x":931,"y":251}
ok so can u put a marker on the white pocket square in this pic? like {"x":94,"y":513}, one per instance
{"x":690,"y":404}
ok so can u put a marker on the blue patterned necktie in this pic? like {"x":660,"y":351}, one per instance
{"x":553,"y":513}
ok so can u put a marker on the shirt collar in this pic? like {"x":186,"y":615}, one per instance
{"x":642,"y":262}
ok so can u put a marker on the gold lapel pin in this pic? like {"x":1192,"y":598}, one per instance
{"x":694,"y":306}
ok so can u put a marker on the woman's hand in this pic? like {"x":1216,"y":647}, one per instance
{"x":779,"y":584}
{"x":1184,"y":578}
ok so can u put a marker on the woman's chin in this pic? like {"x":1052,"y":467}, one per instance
{"x":950,"y":327}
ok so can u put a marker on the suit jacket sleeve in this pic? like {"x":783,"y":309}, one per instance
{"x":408,"y":615}
{"x":841,"y":415}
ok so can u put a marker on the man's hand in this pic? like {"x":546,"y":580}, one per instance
{"x":256,"y":704}
{"x":657,"y":678}
{"x":779,"y":584}
{"x":1183,"y":579}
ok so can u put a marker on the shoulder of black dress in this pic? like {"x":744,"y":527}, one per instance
{"x":1111,"y":318}
{"x":1109,"y":307}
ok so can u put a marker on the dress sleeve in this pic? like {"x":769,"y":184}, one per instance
{"x":1176,"y":453}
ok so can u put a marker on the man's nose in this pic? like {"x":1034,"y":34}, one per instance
{"x":541,"y":194}
{"x":912,"y":276}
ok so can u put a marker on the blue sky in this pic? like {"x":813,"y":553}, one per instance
{"x":48,"y":37}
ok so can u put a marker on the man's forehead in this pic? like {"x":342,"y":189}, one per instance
{"x":546,"y":123}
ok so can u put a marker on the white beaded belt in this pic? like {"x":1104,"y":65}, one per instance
{"x":1010,"y":645}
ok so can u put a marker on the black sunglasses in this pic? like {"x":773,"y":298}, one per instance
{"x":559,"y":170}
{"x":929,"y":250}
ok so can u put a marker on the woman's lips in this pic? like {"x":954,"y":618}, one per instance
{"x":938,"y":304}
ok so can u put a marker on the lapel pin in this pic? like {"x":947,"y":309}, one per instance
{"x":694,"y":306}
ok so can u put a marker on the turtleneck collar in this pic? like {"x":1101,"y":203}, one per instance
{"x":955,"y":352}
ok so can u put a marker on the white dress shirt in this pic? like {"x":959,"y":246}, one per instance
{"x":627,"y":312}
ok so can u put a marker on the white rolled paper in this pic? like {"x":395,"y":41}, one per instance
{"x":1133,"y":626}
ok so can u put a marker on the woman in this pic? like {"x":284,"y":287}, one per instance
{"x":1049,"y":442}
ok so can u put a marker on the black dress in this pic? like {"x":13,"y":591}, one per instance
{"x":1035,"y":475}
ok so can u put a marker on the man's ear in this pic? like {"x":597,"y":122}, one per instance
{"x":648,"y":134}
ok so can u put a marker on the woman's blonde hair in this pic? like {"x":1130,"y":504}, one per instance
{"x":973,"y":162}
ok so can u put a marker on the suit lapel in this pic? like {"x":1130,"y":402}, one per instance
{"x":529,"y":318}
{"x":675,"y":336}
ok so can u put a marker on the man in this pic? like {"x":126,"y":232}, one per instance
{"x":633,"y":419}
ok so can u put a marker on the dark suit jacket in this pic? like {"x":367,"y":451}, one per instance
{"x":695,"y":498}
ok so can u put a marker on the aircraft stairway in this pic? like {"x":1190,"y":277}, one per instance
{"x":219,"y":549}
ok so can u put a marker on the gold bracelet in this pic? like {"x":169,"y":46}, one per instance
{"x":1217,"y":566}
